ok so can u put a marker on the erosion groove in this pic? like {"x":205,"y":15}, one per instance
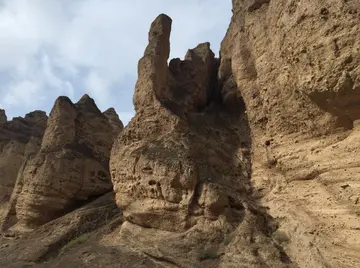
{"x":246,"y":160}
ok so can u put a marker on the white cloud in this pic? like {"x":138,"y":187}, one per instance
{"x":21,"y":92}
{"x":72,"y":47}
{"x":98,"y":87}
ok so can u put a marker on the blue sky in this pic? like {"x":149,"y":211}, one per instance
{"x":71,"y":47}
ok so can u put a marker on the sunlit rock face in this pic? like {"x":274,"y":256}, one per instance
{"x":296,"y":66}
{"x":71,"y":165}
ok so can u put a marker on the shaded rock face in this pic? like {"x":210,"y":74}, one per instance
{"x":20,"y":138}
{"x":153,"y":165}
{"x":3,"y":117}
{"x":114,"y":121}
{"x":70,"y":167}
{"x":296,"y":66}
{"x":182,"y":167}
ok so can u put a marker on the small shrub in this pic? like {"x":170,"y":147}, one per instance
{"x":208,"y":254}
{"x":280,"y":237}
{"x":74,"y":242}
{"x":228,"y":240}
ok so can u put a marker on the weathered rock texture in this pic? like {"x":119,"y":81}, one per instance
{"x":275,"y":119}
{"x":55,"y":238}
{"x":20,"y":138}
{"x":181,"y":166}
{"x":296,"y":66}
{"x":114,"y":121}
{"x":71,"y":165}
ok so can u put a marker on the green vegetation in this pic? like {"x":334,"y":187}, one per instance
{"x":228,"y":239}
{"x":280,"y":237}
{"x":208,"y":254}
{"x":74,"y":242}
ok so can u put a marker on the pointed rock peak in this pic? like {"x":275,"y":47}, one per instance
{"x":63,"y":100}
{"x":36,"y":116}
{"x":114,"y":120}
{"x":87,"y":104}
{"x":159,"y":37}
{"x":62,"y":104}
{"x":161,"y":25}
{"x":111,"y":110}
{"x":86,"y":99}
{"x":152,"y":67}
{"x":202,"y":51}
{"x":3,"y":117}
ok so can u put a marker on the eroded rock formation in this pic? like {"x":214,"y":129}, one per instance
{"x":20,"y":138}
{"x":71,"y":165}
{"x":114,"y":121}
{"x":249,"y":160}
{"x":182,"y":167}
{"x":296,"y":66}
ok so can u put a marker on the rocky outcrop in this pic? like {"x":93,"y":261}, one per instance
{"x":249,"y":160}
{"x":296,"y":66}
{"x":114,"y":121}
{"x":3,"y":117}
{"x":70,"y":167}
{"x":181,"y":166}
{"x":44,"y":243}
{"x":20,"y":138}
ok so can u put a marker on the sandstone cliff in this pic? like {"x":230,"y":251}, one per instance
{"x":296,"y":66}
{"x":249,"y":160}
{"x":182,"y":167}
{"x":20,"y":138}
{"x":114,"y":121}
{"x":70,"y":167}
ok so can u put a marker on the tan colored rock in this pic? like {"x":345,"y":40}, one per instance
{"x":192,"y":80}
{"x":181,"y":167}
{"x":56,"y":237}
{"x":277,"y":126}
{"x":20,"y":138}
{"x":114,"y":121}
{"x":296,"y":66}
{"x":70,"y":167}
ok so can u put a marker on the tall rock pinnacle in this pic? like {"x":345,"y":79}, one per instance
{"x":71,"y":165}
{"x":152,"y":67}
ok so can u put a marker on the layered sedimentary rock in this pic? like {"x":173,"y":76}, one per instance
{"x":70,"y":167}
{"x":296,"y":66}
{"x":181,"y":166}
{"x":20,"y":138}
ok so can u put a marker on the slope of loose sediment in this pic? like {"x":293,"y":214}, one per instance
{"x":250,"y":160}
{"x":296,"y":66}
{"x":56,"y":238}
{"x":20,"y":138}
{"x":70,"y":167}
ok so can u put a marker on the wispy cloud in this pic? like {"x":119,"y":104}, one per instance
{"x":64,"y":47}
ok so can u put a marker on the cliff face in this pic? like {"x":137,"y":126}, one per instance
{"x":296,"y":66}
{"x":250,"y":160}
{"x":114,"y":121}
{"x":181,"y":167}
{"x":71,"y":165}
{"x":20,"y":138}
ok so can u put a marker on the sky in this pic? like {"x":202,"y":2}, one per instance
{"x":52,"y":48}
